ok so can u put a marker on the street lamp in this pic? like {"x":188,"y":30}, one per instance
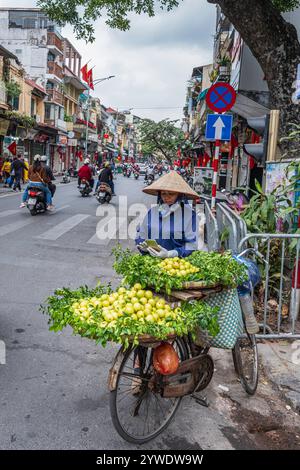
{"x":95,"y":82}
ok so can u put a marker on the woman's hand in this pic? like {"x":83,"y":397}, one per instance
{"x":162,"y":253}
{"x":143,"y":248}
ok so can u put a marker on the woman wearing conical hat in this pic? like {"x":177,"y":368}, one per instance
{"x":172,"y":223}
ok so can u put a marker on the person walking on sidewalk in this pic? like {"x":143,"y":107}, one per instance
{"x":17,"y":168}
{"x":6,"y":171}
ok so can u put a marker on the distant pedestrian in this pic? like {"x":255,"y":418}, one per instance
{"x":17,"y":168}
{"x":6,"y":167}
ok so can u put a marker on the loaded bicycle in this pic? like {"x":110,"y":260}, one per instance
{"x":143,"y":402}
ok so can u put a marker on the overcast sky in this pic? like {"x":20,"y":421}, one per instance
{"x":152,"y":62}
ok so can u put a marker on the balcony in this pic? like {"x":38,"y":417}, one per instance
{"x":55,"y":69}
{"x":54,"y":44}
{"x":55,"y":96}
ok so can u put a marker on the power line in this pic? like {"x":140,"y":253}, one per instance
{"x":158,"y":107}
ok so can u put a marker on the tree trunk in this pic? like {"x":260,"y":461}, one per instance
{"x":275,"y":45}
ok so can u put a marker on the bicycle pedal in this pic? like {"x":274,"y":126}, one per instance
{"x":201,"y":400}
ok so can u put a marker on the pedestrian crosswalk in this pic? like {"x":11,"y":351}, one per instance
{"x":19,"y":222}
{"x":60,"y":229}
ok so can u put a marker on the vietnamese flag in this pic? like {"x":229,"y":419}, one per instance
{"x":13,"y":148}
{"x":90,"y":79}
{"x":84,"y":71}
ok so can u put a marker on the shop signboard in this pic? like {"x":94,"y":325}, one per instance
{"x":203,"y":180}
{"x":4,"y":123}
{"x":72,"y":142}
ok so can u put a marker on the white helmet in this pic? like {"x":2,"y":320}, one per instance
{"x":44,"y":158}
{"x":87,"y":160}
{"x":37,"y":158}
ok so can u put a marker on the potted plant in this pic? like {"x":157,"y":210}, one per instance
{"x":224,"y":64}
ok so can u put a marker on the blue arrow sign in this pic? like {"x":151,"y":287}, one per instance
{"x":219,"y":127}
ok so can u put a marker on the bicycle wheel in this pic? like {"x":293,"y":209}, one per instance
{"x":245,"y":358}
{"x":139,"y":414}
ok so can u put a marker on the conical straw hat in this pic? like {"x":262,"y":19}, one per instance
{"x":172,"y":182}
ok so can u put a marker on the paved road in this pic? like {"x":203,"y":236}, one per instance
{"x":53,"y":386}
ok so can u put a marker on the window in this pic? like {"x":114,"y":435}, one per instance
{"x":19,"y":51}
{"x":15,"y":103}
{"x":33,"y":107}
{"x":51,"y":57}
{"x":47,"y":111}
{"x":29,"y":20}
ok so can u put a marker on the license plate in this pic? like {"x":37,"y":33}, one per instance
{"x":101,"y":194}
{"x":31,"y":201}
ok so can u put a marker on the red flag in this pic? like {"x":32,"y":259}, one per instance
{"x":90,"y":79}
{"x":84,"y":71}
{"x":13,"y":148}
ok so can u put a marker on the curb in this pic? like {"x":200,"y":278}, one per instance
{"x":277,"y":362}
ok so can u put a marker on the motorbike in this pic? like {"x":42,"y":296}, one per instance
{"x":149,"y":179}
{"x":128,"y":173}
{"x":85,"y":188}
{"x":104,"y":193}
{"x":124,"y":171}
{"x":36,"y":202}
{"x":66,"y":177}
{"x":136,"y":175}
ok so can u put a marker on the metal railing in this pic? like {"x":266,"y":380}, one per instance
{"x":280,"y":310}
{"x":212,"y":230}
{"x":241,"y":227}
{"x":228,"y":231}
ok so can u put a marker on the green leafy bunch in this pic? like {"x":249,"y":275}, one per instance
{"x":125,"y":329}
{"x":218,"y":268}
{"x":145,"y":270}
{"x":59,"y":305}
{"x":214,"y":268}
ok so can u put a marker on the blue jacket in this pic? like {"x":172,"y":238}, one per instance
{"x":174,"y":228}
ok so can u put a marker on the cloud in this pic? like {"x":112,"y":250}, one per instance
{"x":153,"y":61}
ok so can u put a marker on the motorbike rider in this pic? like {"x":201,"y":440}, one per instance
{"x":85,"y":172}
{"x":106,"y":176}
{"x":49,"y":174}
{"x":38,"y":178}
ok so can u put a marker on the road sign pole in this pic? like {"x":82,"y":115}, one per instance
{"x":215,"y":177}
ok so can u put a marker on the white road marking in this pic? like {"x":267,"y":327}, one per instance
{"x":58,"y":209}
{"x":15,"y":193}
{"x":15,"y":226}
{"x":104,"y":242}
{"x":9,"y":212}
{"x":62,"y":228}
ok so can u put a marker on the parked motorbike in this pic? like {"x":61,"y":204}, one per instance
{"x":104,"y":193}
{"x":85,"y":188}
{"x":36,"y":201}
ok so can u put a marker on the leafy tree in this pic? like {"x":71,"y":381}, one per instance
{"x":160,"y":138}
{"x":273,"y":41}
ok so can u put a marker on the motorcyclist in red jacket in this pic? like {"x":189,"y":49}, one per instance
{"x":85,"y":172}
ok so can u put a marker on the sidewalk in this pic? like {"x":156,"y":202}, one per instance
{"x":281,"y":363}
{"x":58,"y":180}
